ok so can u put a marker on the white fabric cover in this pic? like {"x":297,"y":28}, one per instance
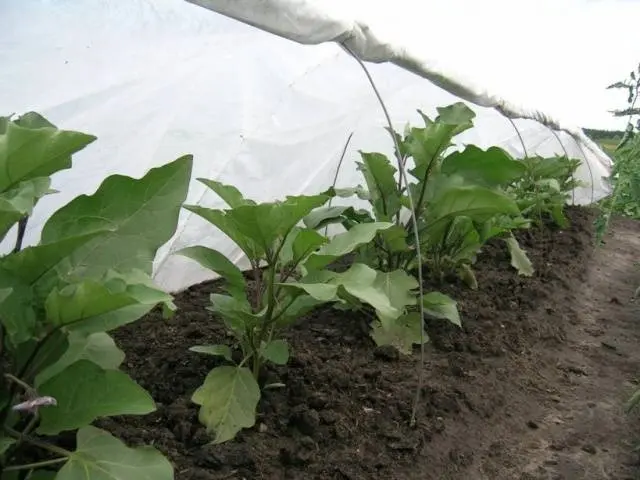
{"x":155,"y":79}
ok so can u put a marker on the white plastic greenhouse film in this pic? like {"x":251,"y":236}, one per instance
{"x":157,"y":79}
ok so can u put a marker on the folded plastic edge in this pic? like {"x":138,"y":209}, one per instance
{"x":306,"y":23}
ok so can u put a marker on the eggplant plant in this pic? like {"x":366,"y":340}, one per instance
{"x":89,"y":274}
{"x":289,"y":276}
{"x":545,"y":188}
{"x":460,"y":200}
{"x":624,"y":179}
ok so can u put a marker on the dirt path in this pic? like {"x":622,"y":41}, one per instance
{"x":581,"y":430}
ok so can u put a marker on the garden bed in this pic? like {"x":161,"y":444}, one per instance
{"x":345,"y":408}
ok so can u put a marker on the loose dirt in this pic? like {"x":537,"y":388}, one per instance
{"x":532,"y":387}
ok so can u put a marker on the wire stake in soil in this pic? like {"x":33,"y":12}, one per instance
{"x":414,"y":221}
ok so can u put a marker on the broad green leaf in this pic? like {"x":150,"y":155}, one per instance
{"x":98,"y":306}
{"x":33,"y":120}
{"x":474,"y":202}
{"x":358,"y":191}
{"x":276,"y":351}
{"x":299,"y":244}
{"x":519,"y":259}
{"x":213,"y":350}
{"x":493,"y":167}
{"x":228,"y":399}
{"x":230,"y":194}
{"x":548,"y":167}
{"x":236,"y":313}
{"x":322,"y":292}
{"x":363,"y":283}
{"x":557,"y":213}
{"x":37,"y":355}
{"x":286,"y":248}
{"x":98,"y":348}
{"x":305,"y":243}
{"x":360,"y":282}
{"x":141,"y":214}
{"x":296,"y":308}
{"x":101,"y":456}
{"x":457,"y":240}
{"x":218,"y":263}
{"x":18,"y":311}
{"x":20,"y":200}
{"x":228,"y":225}
{"x":438,"y":184}
{"x":266,"y":222}
{"x":501,"y":225}
{"x":31,"y":148}
{"x":398,"y":286}
{"x":24,"y":270}
{"x":402,"y":333}
{"x":439,"y":305}
{"x":426,"y":145}
{"x":345,"y":243}
{"x":32,"y":263}
{"x":4,"y":293}
{"x":383,"y":187}
{"x":477,"y":203}
{"x":85,"y":392}
{"x":111,"y":320}
{"x":395,"y":238}
{"x":324,"y":216}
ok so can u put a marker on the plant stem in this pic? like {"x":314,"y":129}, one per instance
{"x":26,"y":387}
{"x":404,"y":162}
{"x":614,"y":197}
{"x":12,"y":392}
{"x":245,"y":360}
{"x":29,"y":428}
{"x":38,"y":443}
{"x":272,"y":261}
{"x":292,"y":269}
{"x":282,"y":310}
{"x":31,"y":466}
{"x":257,"y":276}
{"x":335,"y":178}
{"x":22,"y":227}
{"x":271,"y":299}
{"x":256,"y":366}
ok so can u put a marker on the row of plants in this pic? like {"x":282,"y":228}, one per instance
{"x":624,"y":180}
{"x":91,"y":272}
{"x":625,"y":173}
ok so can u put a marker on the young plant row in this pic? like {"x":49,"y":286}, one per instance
{"x":91,"y":273}
{"x":461,"y":198}
{"x":625,"y":174}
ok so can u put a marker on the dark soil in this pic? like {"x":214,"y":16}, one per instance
{"x":514,"y":394}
